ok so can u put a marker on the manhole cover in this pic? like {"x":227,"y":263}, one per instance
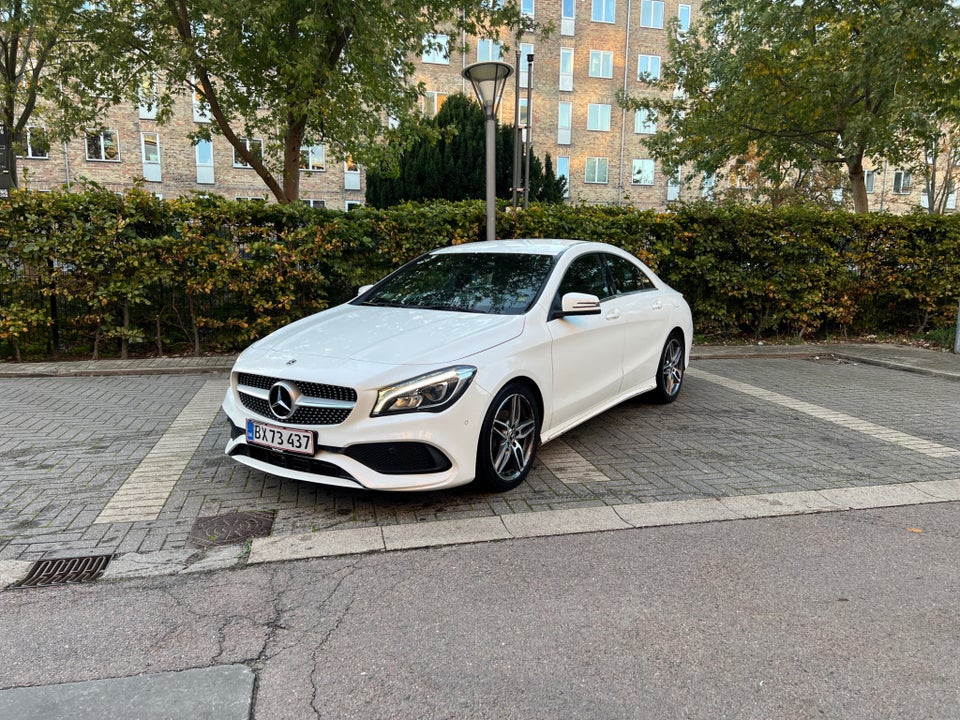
{"x":230,"y":529}
{"x":63,"y":571}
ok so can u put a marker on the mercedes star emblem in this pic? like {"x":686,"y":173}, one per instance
{"x":282,"y":401}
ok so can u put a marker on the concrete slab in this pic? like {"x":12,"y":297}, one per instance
{"x":777,"y":504}
{"x":445,"y":532}
{"x":564,"y":522}
{"x":311,"y":545}
{"x":160,"y":562}
{"x":680,"y":512}
{"x":215,"y":693}
{"x":12,"y":571}
{"x":876,"y":496}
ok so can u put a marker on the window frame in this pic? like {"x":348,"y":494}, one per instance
{"x":643,"y":164}
{"x":101,"y":134}
{"x":601,"y":64}
{"x":652,"y":14}
{"x":597,"y":162}
{"x":238,"y":162}
{"x":598,"y":114}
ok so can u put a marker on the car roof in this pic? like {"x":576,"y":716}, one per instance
{"x":536,"y":246}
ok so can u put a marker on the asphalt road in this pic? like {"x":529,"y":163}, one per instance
{"x":842,"y":615}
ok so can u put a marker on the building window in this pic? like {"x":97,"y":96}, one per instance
{"x":598,"y":117}
{"x":488,"y":50}
{"x":310,"y":202}
{"x":673,"y":189}
{"x":564,"y":123}
{"x":596,"y":170}
{"x":566,"y":69}
{"x":253,"y":146}
{"x":205,"y":162}
{"x":567,"y":12}
{"x":601,"y":64}
{"x":37,"y":146}
{"x":147,"y":98}
{"x":314,"y":158}
{"x":150,"y":154}
{"x":526,"y":7}
{"x":645,"y":122}
{"x":432,"y":102}
{"x":103,"y":146}
{"x":436,"y":49}
{"x":525,"y":49}
{"x":902,"y":182}
{"x":707,"y":185}
{"x":604,"y":11}
{"x":870,"y":180}
{"x":648,"y":68}
{"x":642,"y":172}
{"x":351,"y":175}
{"x":352,"y":205}
{"x":651,"y":14}
{"x":683,"y":18}
{"x":201,"y":111}
{"x":563,"y":170}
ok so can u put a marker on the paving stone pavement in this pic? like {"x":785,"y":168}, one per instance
{"x":752,"y":422}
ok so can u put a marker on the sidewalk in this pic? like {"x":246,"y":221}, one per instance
{"x":897,"y":357}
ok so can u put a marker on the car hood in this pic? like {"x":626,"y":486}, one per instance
{"x":390,"y":336}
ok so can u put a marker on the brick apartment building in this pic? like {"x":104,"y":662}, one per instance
{"x":595,"y":49}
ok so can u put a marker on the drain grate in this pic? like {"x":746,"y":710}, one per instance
{"x":64,"y":571}
{"x":230,"y":529}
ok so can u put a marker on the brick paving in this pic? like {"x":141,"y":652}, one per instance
{"x":71,"y":441}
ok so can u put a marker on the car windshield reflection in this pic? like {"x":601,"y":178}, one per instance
{"x":496,"y":284}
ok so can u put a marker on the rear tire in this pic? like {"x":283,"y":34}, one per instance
{"x":670,"y":370}
{"x":509,"y":438}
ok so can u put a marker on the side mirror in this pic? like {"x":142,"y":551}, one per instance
{"x":575,"y":303}
{"x":363,"y":289}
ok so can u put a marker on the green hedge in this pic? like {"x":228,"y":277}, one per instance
{"x":95,"y":271}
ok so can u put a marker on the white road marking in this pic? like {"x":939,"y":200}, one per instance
{"x":143,"y":495}
{"x":879,"y":432}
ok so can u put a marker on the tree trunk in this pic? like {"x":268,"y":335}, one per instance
{"x":292,"y":146}
{"x":858,"y":187}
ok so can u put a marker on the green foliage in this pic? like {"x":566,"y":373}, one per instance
{"x":296,"y":72}
{"x":790,"y":87}
{"x":448,"y":162}
{"x":199,"y":274}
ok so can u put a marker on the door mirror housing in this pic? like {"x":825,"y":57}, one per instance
{"x":574,"y":303}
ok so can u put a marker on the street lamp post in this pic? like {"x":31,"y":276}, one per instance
{"x":488,"y":80}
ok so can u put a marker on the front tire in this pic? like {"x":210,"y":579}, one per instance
{"x":509,"y":438}
{"x":670,"y":370}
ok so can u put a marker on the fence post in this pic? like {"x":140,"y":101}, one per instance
{"x":956,"y":339}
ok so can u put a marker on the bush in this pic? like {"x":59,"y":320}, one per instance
{"x":91,"y":270}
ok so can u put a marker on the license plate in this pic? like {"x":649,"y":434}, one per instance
{"x":295,"y":441}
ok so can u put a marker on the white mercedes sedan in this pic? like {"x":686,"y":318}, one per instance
{"x":457,"y":366}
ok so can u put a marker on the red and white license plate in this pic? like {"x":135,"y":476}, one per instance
{"x":281,"y":438}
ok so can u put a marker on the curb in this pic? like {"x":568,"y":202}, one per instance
{"x":393,"y":538}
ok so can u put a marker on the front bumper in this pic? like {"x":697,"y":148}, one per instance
{"x":412,"y":451}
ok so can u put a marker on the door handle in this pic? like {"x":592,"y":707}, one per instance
{"x":613,"y":315}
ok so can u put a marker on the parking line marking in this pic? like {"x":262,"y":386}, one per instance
{"x":879,"y":432}
{"x":143,"y":494}
{"x":567,"y":464}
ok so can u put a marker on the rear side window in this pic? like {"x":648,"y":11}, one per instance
{"x":627,"y":276}
{"x":586,"y":274}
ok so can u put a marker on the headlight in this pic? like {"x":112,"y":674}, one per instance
{"x":432,"y":392}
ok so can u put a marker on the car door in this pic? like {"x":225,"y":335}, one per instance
{"x":586,"y":350}
{"x":645,"y":316}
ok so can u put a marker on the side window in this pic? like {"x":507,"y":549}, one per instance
{"x":628,"y":277}
{"x":586,"y":274}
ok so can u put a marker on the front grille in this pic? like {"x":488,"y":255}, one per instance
{"x":303,"y":415}
{"x":316,"y":390}
{"x":399,"y":458}
{"x":293,"y":462}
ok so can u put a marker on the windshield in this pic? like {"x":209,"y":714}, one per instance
{"x":493,"y":283}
